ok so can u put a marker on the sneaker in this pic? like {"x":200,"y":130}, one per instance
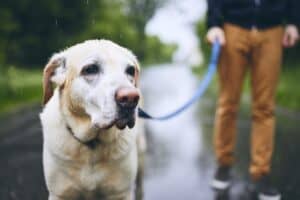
{"x":222,"y":178}
{"x":264,"y":190}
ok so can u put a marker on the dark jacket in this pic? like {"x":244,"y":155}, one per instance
{"x":253,"y":13}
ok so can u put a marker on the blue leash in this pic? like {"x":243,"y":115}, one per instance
{"x":200,"y":91}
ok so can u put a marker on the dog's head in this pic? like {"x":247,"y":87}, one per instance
{"x":97,"y":80}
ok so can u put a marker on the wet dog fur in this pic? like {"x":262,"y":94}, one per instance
{"x":90,"y":151}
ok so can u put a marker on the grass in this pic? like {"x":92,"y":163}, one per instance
{"x":288,"y":94}
{"x":19,"y":87}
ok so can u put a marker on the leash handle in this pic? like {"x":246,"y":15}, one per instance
{"x":200,"y":91}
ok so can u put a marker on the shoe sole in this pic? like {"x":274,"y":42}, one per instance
{"x":220,"y":185}
{"x":267,"y":197}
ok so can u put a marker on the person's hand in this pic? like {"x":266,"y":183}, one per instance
{"x":291,"y":36}
{"x":215,"y":33}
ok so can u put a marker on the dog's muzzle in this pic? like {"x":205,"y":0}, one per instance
{"x":127,"y":100}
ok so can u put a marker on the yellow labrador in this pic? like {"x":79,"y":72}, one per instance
{"x":92,"y":137}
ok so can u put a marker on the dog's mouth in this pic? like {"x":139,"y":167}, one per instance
{"x":123,"y":122}
{"x":126,"y":117}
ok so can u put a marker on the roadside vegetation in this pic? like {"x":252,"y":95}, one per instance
{"x":33,"y":30}
{"x":19,"y":88}
{"x":288,"y":95}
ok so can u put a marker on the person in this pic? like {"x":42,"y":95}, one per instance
{"x":253,"y":35}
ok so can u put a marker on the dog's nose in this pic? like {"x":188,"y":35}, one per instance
{"x":127,"y":97}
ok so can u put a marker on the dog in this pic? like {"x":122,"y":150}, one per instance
{"x":93,"y":141}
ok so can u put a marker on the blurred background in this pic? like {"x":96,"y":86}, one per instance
{"x":167,"y":37}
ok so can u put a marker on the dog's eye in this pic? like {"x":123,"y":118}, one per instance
{"x":90,"y":70}
{"x":130,"y":70}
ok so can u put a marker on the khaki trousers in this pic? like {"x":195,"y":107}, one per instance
{"x":260,"y":51}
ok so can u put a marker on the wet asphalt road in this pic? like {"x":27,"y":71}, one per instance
{"x":180,"y":158}
{"x":21,"y":175}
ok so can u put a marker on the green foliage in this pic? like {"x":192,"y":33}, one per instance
{"x":25,"y":87}
{"x":288,"y":91}
{"x":32,"y":30}
{"x":139,"y":12}
{"x":156,"y":53}
{"x":287,"y":94}
{"x":112,"y":23}
{"x":205,"y":47}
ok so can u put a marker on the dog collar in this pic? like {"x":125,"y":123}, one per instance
{"x":91,"y":144}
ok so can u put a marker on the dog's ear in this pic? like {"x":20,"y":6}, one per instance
{"x":137,"y":73}
{"x":54,"y":72}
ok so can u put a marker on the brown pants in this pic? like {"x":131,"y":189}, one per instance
{"x":262,"y":51}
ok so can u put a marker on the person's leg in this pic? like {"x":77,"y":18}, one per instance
{"x":267,"y":55}
{"x":232,"y":68}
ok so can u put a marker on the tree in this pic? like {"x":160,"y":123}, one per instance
{"x":140,"y":12}
{"x":31,"y":30}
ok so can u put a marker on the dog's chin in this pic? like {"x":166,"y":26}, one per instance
{"x":108,"y":126}
{"x":122,"y":123}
